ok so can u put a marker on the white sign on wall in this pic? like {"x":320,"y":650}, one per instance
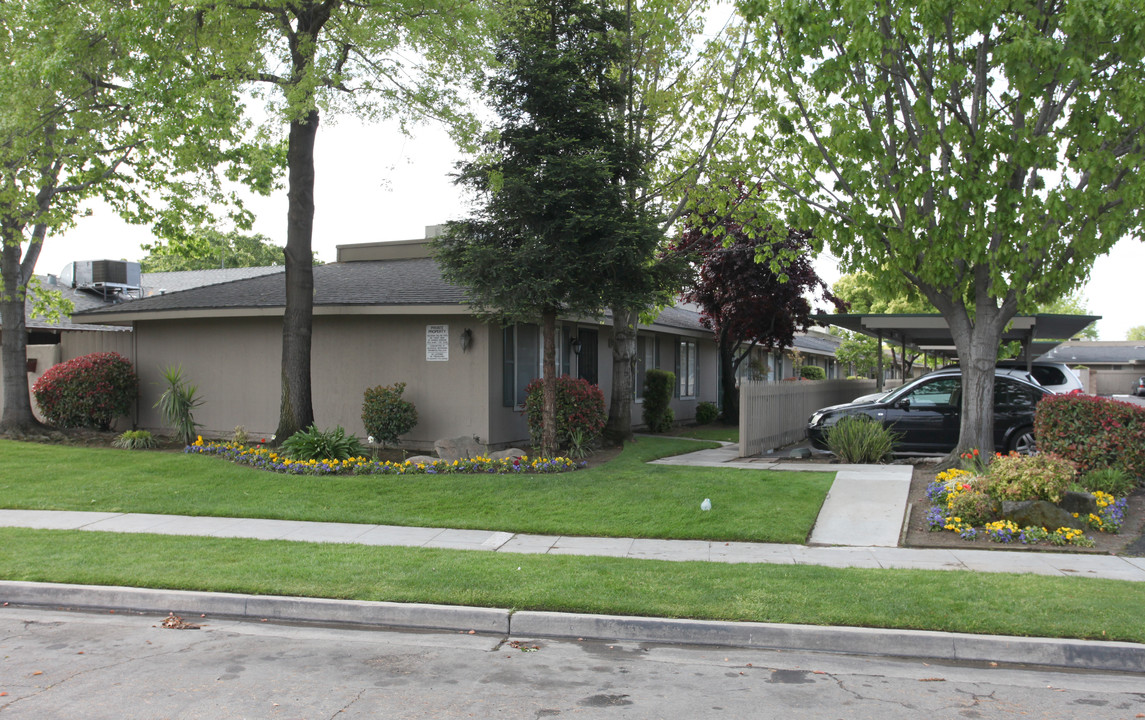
{"x":437,"y":343}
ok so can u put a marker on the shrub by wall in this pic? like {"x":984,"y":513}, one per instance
{"x":88,"y":391}
{"x":386,"y":414}
{"x":706,"y":412}
{"x":580,"y":406}
{"x":1093,"y":432}
{"x":658,"y":384}
{"x":811,"y":372}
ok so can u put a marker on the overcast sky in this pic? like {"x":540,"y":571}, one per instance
{"x":373,"y":184}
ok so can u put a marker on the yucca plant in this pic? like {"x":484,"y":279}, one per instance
{"x":314,"y":444}
{"x":177,"y":403}
{"x":859,"y":439}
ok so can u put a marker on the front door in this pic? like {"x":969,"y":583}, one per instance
{"x":586,"y":362}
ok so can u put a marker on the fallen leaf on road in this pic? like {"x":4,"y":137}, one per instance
{"x":2,"y":694}
{"x":174,"y":622}
{"x":38,"y":672}
{"x":932,"y":679}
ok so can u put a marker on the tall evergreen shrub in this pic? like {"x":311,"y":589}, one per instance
{"x":658,"y":415}
{"x":386,"y":414}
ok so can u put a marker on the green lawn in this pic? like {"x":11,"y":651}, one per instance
{"x":953,"y":601}
{"x":623,"y":498}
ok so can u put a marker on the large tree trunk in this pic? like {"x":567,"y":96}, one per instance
{"x":549,"y":388}
{"x":297,"y":409}
{"x":17,"y":413}
{"x":618,"y":429}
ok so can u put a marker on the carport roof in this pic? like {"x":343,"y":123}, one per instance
{"x":931,"y":333}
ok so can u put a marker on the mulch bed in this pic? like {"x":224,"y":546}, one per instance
{"x":1130,"y":541}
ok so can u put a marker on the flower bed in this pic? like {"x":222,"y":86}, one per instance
{"x":266,"y":459}
{"x":952,"y":488}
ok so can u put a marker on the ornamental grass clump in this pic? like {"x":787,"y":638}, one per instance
{"x":134,"y":440}
{"x":860,"y":440}
{"x":1111,"y":480}
{"x":314,"y":444}
{"x":88,"y":391}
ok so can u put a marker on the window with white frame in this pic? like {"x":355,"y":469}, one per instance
{"x":686,"y":356}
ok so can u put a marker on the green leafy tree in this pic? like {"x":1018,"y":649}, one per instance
{"x":1136,"y":333}
{"x":1072,"y":304}
{"x":985,"y":152}
{"x":103,"y":101}
{"x":554,"y":232}
{"x":684,"y":89}
{"x":865,"y":295}
{"x":207,"y":248}
{"x":331,"y":56}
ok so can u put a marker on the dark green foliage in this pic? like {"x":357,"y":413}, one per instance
{"x":580,"y":410}
{"x":386,"y":414}
{"x":811,"y":372}
{"x":88,"y":391}
{"x":859,"y":439}
{"x":313,"y":444}
{"x":1093,"y":432}
{"x":177,"y":404}
{"x":706,"y":412}
{"x":658,"y":384}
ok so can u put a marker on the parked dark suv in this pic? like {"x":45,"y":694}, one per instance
{"x":927,"y":413}
{"x":1138,"y":387}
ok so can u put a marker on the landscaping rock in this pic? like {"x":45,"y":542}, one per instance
{"x":1040,"y":513}
{"x":459,"y":448}
{"x":801,"y":453}
{"x":508,"y":454}
{"x":422,"y":459}
{"x":1081,"y":503}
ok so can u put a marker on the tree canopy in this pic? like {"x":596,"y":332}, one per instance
{"x":554,"y":231}
{"x":986,"y":153}
{"x":207,"y":248}
{"x":1136,"y":333}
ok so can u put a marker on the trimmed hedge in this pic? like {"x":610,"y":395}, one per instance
{"x":658,"y":385}
{"x":88,"y":391}
{"x":812,"y":372}
{"x":386,"y":414}
{"x":1093,"y":432}
{"x":580,"y":406}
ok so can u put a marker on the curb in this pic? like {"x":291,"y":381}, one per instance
{"x":1105,"y":656}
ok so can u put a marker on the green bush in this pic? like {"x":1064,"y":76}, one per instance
{"x":1029,"y":477}
{"x":974,"y":506}
{"x":386,"y":414}
{"x":1109,"y":480}
{"x":706,"y":413}
{"x":580,"y":406}
{"x":313,"y":444}
{"x":134,"y":440}
{"x":811,"y":372}
{"x":1093,"y":432}
{"x":88,"y":391}
{"x":858,"y":439}
{"x":177,"y":403}
{"x":658,"y":384}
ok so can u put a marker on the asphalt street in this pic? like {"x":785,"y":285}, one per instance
{"x":73,"y":665}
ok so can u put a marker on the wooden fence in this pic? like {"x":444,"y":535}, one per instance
{"x":773,"y":414}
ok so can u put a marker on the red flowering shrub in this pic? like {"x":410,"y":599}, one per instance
{"x":580,"y":406}
{"x":1093,"y":432}
{"x":88,"y":391}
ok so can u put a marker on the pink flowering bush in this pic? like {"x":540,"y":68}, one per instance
{"x":88,"y":391}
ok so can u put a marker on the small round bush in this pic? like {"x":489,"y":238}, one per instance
{"x":386,"y":414}
{"x":1030,"y":477}
{"x":973,"y":506}
{"x":580,"y":407}
{"x":88,"y":391}
{"x":811,"y":372}
{"x":706,"y":413}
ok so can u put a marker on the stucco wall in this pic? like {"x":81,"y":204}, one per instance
{"x":235,"y":362}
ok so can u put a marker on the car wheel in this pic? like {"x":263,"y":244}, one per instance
{"x":1022,"y":441}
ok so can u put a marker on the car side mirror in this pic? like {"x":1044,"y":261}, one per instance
{"x":903,"y":404}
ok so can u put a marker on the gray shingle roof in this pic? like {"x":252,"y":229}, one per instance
{"x":168,"y":282}
{"x":415,"y":281}
{"x":1126,"y":353}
